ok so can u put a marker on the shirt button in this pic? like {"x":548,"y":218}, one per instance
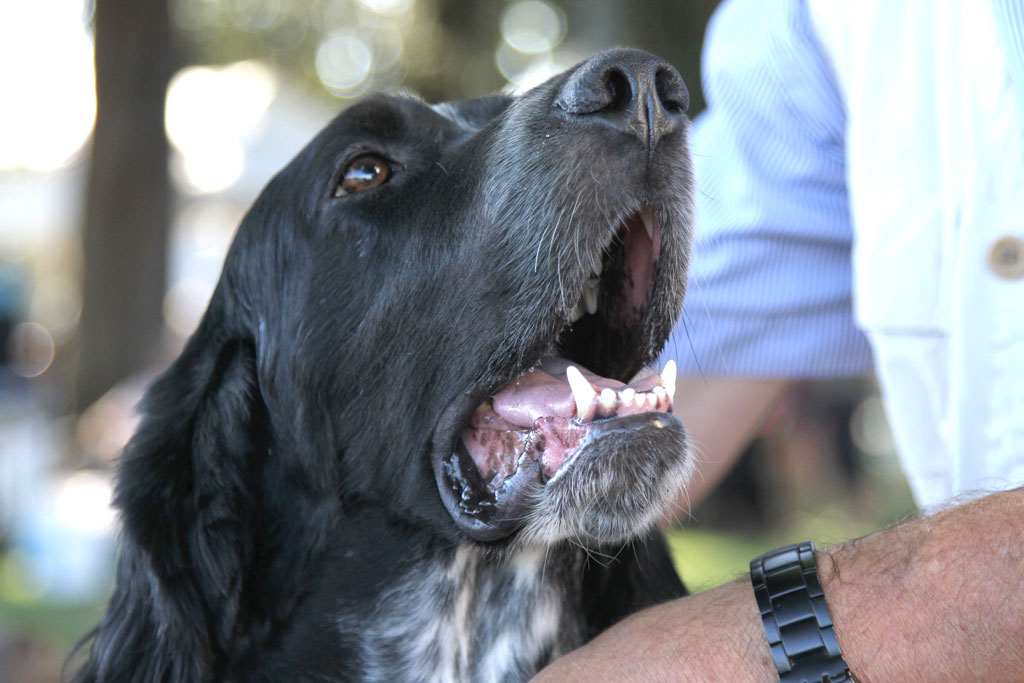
{"x":1006,"y":258}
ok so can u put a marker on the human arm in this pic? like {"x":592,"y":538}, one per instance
{"x":938,"y":598}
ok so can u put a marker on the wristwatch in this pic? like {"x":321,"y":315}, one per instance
{"x":796,"y":618}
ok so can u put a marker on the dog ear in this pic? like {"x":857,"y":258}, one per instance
{"x":187,"y":488}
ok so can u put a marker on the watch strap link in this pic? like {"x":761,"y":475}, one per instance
{"x":796,"y":619}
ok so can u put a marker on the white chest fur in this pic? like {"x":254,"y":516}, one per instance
{"x":473,"y":616}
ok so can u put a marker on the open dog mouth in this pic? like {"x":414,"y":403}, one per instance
{"x":529,"y":431}
{"x":550,"y":413}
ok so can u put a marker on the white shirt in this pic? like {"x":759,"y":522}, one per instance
{"x":908,"y":133}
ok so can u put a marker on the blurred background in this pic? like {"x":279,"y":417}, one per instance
{"x":133,"y":135}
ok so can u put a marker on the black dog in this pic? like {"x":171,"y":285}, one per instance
{"x":372,"y":460}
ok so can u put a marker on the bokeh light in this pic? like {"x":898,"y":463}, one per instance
{"x":344,"y":62}
{"x":387,"y":6}
{"x":531,"y":30}
{"x":388,"y":47}
{"x":533,"y":26}
{"x":210,"y":113}
{"x":30,"y":349}
{"x":47,"y":83}
{"x":83,"y":503}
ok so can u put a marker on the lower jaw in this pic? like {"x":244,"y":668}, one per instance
{"x":497,"y":454}
{"x":543,"y":453}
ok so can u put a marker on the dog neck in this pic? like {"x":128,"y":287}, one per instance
{"x":473,"y":614}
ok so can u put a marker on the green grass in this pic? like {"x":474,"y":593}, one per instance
{"x":59,"y":626}
{"x":706,"y":558}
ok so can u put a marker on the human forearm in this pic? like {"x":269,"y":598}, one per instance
{"x":939,"y":598}
{"x":712,"y":636}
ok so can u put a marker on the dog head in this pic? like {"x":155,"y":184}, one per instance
{"x":400,"y":309}
{"x":425,"y":323}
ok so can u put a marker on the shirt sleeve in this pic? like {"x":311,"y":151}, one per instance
{"x":771,"y":275}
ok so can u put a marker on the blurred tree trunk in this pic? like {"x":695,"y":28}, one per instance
{"x":127,"y":207}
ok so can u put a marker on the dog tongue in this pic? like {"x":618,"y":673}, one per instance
{"x":543,"y":391}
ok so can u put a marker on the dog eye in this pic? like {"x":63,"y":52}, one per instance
{"x":365,"y":173}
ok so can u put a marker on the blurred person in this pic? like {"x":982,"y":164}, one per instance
{"x":862,"y":173}
{"x":861,"y":177}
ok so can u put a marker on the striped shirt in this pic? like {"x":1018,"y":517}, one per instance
{"x":771,"y":283}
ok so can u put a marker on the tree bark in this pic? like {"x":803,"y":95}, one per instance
{"x":127,"y":207}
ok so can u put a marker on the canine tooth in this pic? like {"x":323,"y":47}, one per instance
{"x":608,"y":397}
{"x":627,"y":395}
{"x":582,"y":392}
{"x":648,"y":218}
{"x":668,"y":379}
{"x":590,"y":292}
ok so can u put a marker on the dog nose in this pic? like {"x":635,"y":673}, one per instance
{"x":631,"y":90}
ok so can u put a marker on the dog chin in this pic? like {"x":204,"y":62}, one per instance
{"x":615,"y":489}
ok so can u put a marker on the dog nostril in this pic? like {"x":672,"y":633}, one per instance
{"x":619,"y":88}
{"x":671,"y":91}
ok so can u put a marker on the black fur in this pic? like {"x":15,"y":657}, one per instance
{"x":284,"y":500}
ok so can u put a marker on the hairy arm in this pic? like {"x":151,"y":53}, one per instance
{"x":939,"y":598}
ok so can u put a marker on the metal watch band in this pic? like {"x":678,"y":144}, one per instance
{"x":795,"y":617}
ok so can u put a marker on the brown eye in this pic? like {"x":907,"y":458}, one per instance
{"x":365,"y":173}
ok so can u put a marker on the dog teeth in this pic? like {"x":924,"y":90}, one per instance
{"x":668,"y":379}
{"x":626,"y":401}
{"x":582,"y":392}
{"x":590,"y":292}
{"x":588,"y":300}
{"x":648,"y":218}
